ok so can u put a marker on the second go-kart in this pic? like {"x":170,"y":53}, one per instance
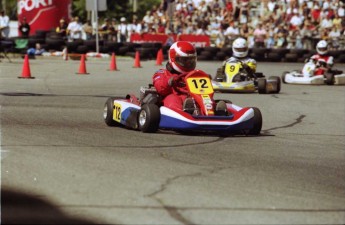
{"x":149,"y":115}
{"x":307,"y":75}
{"x":234,"y":78}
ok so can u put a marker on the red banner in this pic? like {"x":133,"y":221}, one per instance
{"x":139,"y":38}
{"x":197,"y":40}
{"x":43,"y":14}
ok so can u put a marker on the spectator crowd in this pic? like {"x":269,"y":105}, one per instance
{"x":266,"y":23}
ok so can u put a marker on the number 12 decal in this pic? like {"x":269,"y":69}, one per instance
{"x":117,"y":112}
{"x":200,"y":85}
{"x":203,"y":83}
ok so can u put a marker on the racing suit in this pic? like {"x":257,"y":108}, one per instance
{"x":164,"y":89}
{"x":248,"y":64}
{"x":323,"y":63}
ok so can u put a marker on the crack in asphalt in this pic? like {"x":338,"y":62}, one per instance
{"x":172,"y":210}
{"x":298,"y":120}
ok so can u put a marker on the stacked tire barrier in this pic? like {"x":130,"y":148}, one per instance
{"x":148,"y":50}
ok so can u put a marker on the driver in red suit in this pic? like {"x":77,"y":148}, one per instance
{"x":182,"y":59}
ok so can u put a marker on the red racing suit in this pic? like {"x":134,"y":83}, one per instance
{"x":322,"y":62}
{"x":171,"y":99}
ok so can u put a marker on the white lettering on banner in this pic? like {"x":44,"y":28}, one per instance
{"x":29,"y":5}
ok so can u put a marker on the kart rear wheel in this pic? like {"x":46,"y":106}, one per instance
{"x":262,"y":85}
{"x":278,"y":81}
{"x":149,"y":118}
{"x":329,"y":78}
{"x":257,"y":122}
{"x":283,"y":76}
{"x":108,"y":112}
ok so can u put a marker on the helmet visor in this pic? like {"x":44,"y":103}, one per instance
{"x":188,"y":62}
{"x":244,"y":49}
{"x":322,"y":49}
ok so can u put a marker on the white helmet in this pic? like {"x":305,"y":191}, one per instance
{"x":240,"y":47}
{"x":322,"y":47}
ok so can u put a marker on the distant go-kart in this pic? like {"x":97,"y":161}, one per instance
{"x":307,"y":76}
{"x":234,"y":78}
{"x":148,"y":115}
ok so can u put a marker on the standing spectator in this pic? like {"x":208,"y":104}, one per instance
{"x":260,"y":35}
{"x":244,"y":14}
{"x":270,"y":38}
{"x":24,"y":28}
{"x":281,"y":34}
{"x":220,"y":41}
{"x":74,"y":29}
{"x":326,"y":23}
{"x":337,"y":21}
{"x":122,"y":30}
{"x":272,"y":5}
{"x":87,"y":30}
{"x":160,"y":27}
{"x":296,"y":20}
{"x":334,"y":37}
{"x":341,"y":10}
{"x":4,"y":25}
{"x":244,"y":31}
{"x":237,"y":10}
{"x":315,"y":13}
{"x":105,"y":29}
{"x":306,"y":33}
{"x":232,"y":32}
{"x":62,"y":29}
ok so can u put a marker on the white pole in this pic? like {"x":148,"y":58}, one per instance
{"x":96,"y":15}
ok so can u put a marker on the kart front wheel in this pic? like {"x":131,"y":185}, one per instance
{"x":108,"y":112}
{"x":329,"y":78}
{"x":149,"y":118}
{"x":277,"y":80}
{"x":262,"y":83}
{"x":257,"y":122}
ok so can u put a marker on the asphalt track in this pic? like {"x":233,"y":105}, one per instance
{"x":61,"y":164}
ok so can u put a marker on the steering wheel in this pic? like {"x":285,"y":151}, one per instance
{"x":180,"y":80}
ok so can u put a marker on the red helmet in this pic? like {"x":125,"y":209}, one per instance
{"x":182,"y":56}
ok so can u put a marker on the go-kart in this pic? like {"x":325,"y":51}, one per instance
{"x":307,"y":75}
{"x":148,"y":114}
{"x":235,"y":78}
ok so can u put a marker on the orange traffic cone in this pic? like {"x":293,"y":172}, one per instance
{"x":159,"y":59}
{"x":26,"y":69}
{"x":82,"y":66}
{"x":137,"y":60}
{"x":113,"y":66}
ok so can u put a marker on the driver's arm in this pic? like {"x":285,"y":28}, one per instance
{"x":160,"y":81}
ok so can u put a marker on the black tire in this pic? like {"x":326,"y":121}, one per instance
{"x":262,"y":86}
{"x":273,"y":57}
{"x":149,"y":118}
{"x":278,"y":80}
{"x":291,"y":57}
{"x":329,"y":79}
{"x":283,"y":76}
{"x":108,"y":112}
{"x":257,"y":122}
